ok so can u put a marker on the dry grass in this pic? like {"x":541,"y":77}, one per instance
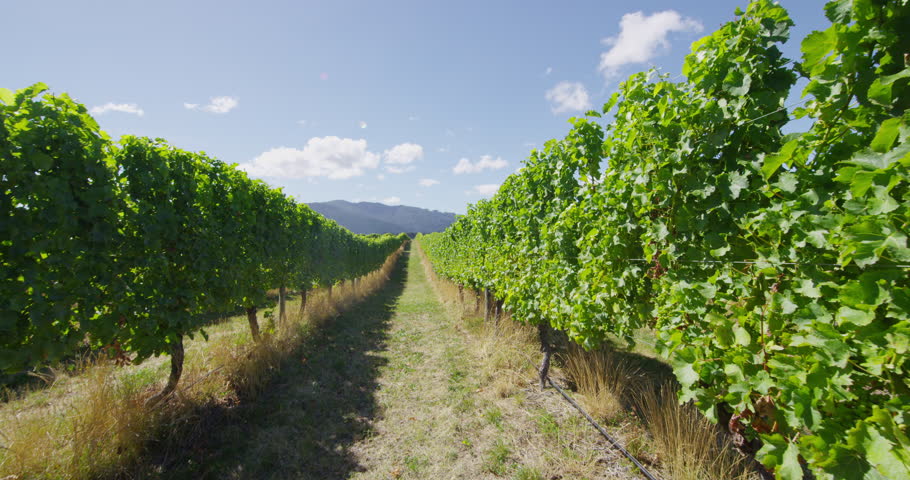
{"x":510,"y":353}
{"x":95,"y":424}
{"x":602,"y":379}
{"x":101,"y":423}
{"x":689,"y":446}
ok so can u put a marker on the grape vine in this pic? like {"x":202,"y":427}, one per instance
{"x":132,"y":245}
{"x":774,"y":268}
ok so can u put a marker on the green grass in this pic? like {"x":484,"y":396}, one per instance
{"x":416,"y":463}
{"x":527,"y":473}
{"x":494,"y":416}
{"x":496,"y":459}
{"x":547,"y":424}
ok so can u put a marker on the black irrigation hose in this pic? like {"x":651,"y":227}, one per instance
{"x":603,"y":432}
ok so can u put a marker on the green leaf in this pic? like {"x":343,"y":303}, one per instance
{"x":881,"y":202}
{"x":856,"y":317}
{"x":737,"y":84}
{"x":838,"y":11}
{"x":770,"y":163}
{"x":816,"y":47}
{"x":863,"y":294}
{"x":686,"y":374}
{"x":867,"y":241}
{"x":6,"y":96}
{"x":738,"y":183}
{"x":789,"y":468}
{"x":889,"y":450}
{"x":817,"y":238}
{"x":880,"y":90}
{"x":860,"y":180}
{"x":807,"y":288}
{"x":886,"y":135}
{"x":742,"y":336}
{"x":883,"y":455}
{"x":787,"y":182}
{"x":875,"y":161}
{"x":889,"y":456}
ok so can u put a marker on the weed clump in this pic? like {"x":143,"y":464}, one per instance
{"x":603,"y":380}
{"x":688,"y":445}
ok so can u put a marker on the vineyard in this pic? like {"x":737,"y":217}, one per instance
{"x":131,"y":247}
{"x":770,"y":268}
{"x":773,"y":268}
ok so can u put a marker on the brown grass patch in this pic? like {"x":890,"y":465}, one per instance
{"x":101,"y":423}
{"x":689,"y":446}
{"x":602,"y":379}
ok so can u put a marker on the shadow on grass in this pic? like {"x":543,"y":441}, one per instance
{"x":651,"y":373}
{"x":303,"y":425}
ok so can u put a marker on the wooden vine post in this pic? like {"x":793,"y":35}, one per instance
{"x":282,"y":310}
{"x":486,"y":305}
{"x":303,"y":298}
{"x":547,"y":349}
{"x":254,"y":323}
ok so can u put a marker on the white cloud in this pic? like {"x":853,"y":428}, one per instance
{"x":486,"y":190}
{"x":302,"y":123}
{"x":403,"y":154}
{"x":398,"y":158}
{"x":640,"y":37}
{"x":394,"y":169}
{"x":450,"y":132}
{"x":391,"y":201}
{"x":413,"y":118}
{"x":117,"y":107}
{"x":216,"y":105}
{"x":379,"y":177}
{"x":568,"y":97}
{"x":428,"y":182}
{"x":486,"y":162}
{"x":362,"y":124}
{"x":549,"y":71}
{"x":332,"y":157}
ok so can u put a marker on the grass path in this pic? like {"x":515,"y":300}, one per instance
{"x":391,"y":390}
{"x":426,"y":394}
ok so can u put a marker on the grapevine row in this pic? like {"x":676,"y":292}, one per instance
{"x":133,"y":245}
{"x":774,"y":268}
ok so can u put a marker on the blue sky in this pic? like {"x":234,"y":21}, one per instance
{"x":430,"y":104}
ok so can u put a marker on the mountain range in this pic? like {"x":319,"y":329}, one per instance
{"x":369,"y":217}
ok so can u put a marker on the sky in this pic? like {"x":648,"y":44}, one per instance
{"x":430,"y":104}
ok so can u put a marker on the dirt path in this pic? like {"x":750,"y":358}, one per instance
{"x":391,"y":390}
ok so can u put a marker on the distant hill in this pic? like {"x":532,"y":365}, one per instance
{"x":367,"y":217}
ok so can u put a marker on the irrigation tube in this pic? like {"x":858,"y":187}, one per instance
{"x":603,"y":432}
